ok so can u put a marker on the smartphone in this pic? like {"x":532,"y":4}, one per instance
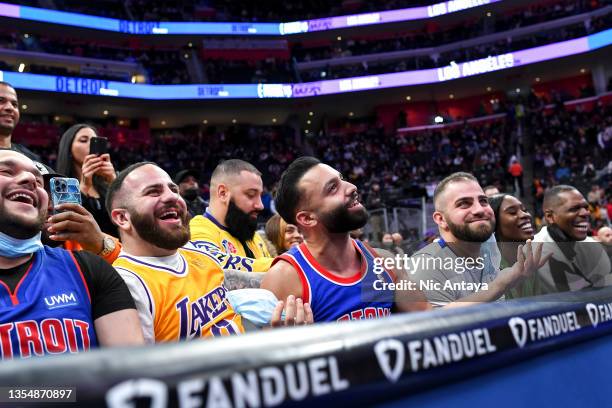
{"x":98,"y":145}
{"x":64,"y":190}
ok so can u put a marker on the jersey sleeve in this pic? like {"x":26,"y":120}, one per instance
{"x":108,"y":291}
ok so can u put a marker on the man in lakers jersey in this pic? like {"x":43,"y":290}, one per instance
{"x":227,"y":228}
{"x":330,"y":270}
{"x":178,"y":290}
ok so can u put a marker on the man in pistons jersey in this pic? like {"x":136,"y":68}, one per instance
{"x":179,"y":290}
{"x":330,"y":270}
{"x":52,"y":301}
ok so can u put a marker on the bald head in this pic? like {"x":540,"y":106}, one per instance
{"x":604,"y":235}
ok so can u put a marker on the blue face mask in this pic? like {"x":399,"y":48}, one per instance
{"x":255,"y":305}
{"x":14,"y":248}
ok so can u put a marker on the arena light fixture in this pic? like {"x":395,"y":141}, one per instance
{"x":489,"y":89}
{"x":408,"y":98}
{"x":205,"y":121}
{"x":452,"y":96}
{"x":163,"y":122}
{"x":21,"y":67}
{"x":537,"y":79}
{"x":310,"y":113}
{"x":308,"y":122}
{"x":438,"y":119}
{"x":24,"y":106}
{"x":234,"y":121}
{"x":351,"y":114}
{"x":105,"y":112}
{"x":273,"y":120}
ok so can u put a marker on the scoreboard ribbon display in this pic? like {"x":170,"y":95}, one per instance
{"x":453,"y":71}
{"x":360,"y":363}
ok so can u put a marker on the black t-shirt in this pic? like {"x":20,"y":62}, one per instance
{"x":108,"y":291}
{"x":97,"y":209}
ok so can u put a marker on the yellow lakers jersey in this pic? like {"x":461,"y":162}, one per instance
{"x":208,"y":234}
{"x":179,"y":297}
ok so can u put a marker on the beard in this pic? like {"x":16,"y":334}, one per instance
{"x":463,"y":232}
{"x":341,"y":220}
{"x":149,"y":230}
{"x":17,"y":227}
{"x":240,"y":224}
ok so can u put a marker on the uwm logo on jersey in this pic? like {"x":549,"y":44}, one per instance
{"x":61,"y":300}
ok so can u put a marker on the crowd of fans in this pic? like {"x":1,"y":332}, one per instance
{"x":167,"y":65}
{"x":429,"y":36}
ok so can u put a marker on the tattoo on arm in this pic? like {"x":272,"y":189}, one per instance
{"x":242,"y":280}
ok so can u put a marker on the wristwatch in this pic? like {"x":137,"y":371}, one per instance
{"x":108,"y":246}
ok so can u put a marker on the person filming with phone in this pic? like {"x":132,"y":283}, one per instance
{"x":53,"y":301}
{"x":84,"y":155}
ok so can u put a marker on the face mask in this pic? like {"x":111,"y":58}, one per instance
{"x":190,"y":194}
{"x":388,"y":244}
{"x":255,"y":305}
{"x":14,"y":248}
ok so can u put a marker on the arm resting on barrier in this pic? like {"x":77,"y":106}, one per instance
{"x":405,"y":300}
{"x":120,"y":328}
{"x":241,"y":279}
{"x":529,"y":260}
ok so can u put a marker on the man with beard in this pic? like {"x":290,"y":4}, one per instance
{"x":52,"y":301}
{"x":179,"y":290}
{"x":189,"y":189}
{"x":336,"y":274}
{"x":578,"y":261}
{"x":227,"y":228}
{"x":458,"y":269}
{"x":9,"y":118}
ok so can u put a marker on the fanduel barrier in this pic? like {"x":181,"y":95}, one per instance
{"x":351,"y":363}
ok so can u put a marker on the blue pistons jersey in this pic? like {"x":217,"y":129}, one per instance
{"x":49,"y":312}
{"x":336,"y":298}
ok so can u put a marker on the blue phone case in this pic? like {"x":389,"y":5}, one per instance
{"x":64,"y":190}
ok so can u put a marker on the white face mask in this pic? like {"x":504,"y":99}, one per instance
{"x":254,"y":305}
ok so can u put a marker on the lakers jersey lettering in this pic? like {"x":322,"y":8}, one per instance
{"x":209,"y":234}
{"x":200,"y":313}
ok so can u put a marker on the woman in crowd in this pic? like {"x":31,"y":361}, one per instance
{"x":282,"y":235}
{"x":513,"y":227}
{"x":94,"y":172}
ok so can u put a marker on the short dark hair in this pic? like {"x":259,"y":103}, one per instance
{"x":288,"y":195}
{"x":6,"y":84}
{"x":551,"y":196}
{"x":453,"y":178}
{"x":232,"y":167}
{"x":116,"y":185}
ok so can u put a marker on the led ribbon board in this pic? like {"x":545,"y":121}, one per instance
{"x":76,"y":85}
{"x":235,"y":28}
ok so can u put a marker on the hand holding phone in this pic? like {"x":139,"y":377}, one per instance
{"x":98,"y":145}
{"x":64,"y":190}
